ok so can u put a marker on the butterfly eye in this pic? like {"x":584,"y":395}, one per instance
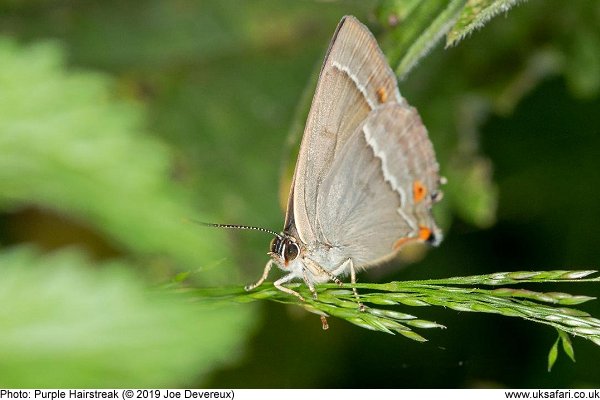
{"x":291,"y":252}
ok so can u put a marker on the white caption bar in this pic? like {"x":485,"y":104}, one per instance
{"x":291,"y":394}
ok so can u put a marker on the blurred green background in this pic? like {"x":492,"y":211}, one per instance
{"x":119,"y":120}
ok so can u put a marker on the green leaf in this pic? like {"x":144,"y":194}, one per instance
{"x":68,"y":144}
{"x":68,"y":322}
{"x":412,"y":39}
{"x":553,"y":355}
{"x":566,"y":344}
{"x":475,"y":15}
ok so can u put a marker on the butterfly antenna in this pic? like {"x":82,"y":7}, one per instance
{"x":233,"y":226}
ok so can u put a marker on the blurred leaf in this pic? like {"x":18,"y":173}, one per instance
{"x":393,"y":12}
{"x":472,"y":191}
{"x":183,"y":34}
{"x":582,"y":70}
{"x":67,"y":144}
{"x":538,"y":66}
{"x":475,"y":15}
{"x":65,"y":324}
{"x":553,"y":354}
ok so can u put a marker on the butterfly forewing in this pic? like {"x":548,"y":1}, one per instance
{"x":355,"y":80}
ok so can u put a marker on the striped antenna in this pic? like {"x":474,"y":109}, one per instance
{"x":232,"y":226}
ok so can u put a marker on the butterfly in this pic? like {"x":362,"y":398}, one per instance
{"x":366,"y":176}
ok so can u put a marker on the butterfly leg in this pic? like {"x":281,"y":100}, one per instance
{"x":278,"y":284}
{"x":310,"y":285}
{"x":361,"y":306}
{"x":340,"y":270}
{"x":317,"y":268}
{"x":262,"y":278}
{"x":348,"y":264}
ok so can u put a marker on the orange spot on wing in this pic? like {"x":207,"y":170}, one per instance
{"x":419,"y":191}
{"x":382,"y":95}
{"x":424,"y":233}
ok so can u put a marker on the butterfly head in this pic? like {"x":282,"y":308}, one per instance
{"x":283,"y":250}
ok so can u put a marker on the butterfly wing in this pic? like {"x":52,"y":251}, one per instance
{"x":368,"y":203}
{"x":355,"y":80}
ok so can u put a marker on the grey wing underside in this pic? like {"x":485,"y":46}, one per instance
{"x":355,"y":80}
{"x":365,"y":204}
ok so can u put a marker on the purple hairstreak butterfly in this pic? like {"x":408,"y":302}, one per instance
{"x":366,"y":175}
